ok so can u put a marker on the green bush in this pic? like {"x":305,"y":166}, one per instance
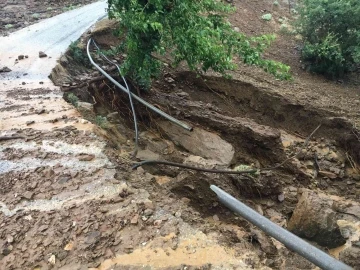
{"x":78,"y":54}
{"x":194,"y":32}
{"x":331,"y":32}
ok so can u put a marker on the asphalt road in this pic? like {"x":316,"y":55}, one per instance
{"x":51,"y":36}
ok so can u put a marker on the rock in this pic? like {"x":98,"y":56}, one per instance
{"x":63,"y":179}
{"x":43,"y":228}
{"x":86,"y":109}
{"x":281,"y":197}
{"x":40,"y":111}
{"x":52,"y":259}
{"x":148,"y":212}
{"x":169,"y":80}
{"x":48,"y":172}
{"x":327,"y":174}
{"x":9,"y":239}
{"x":5,"y":69}
{"x":69,"y":246}
{"x":28,"y":123}
{"x":183,"y":94}
{"x":314,"y":218}
{"x":135,"y":219}
{"x":200,"y":142}
{"x":147,"y":155}
{"x":113,"y":117}
{"x":351,"y":257}
{"x":28,"y":195}
{"x":21,"y":57}
{"x":157,"y":223}
{"x":42,"y":54}
{"x":215,"y":218}
{"x":265,"y":242}
{"x":92,"y":237}
{"x":85,"y":157}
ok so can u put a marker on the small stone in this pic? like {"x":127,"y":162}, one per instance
{"x":135,"y":219}
{"x":183,"y":94}
{"x":178,"y":214}
{"x":21,"y":57}
{"x":334,"y":170}
{"x":28,"y":195}
{"x":42,"y":54}
{"x":53,"y":120}
{"x":23,"y":83}
{"x":328,"y":174}
{"x":281,"y":197}
{"x":85,"y":157}
{"x":215,"y":218}
{"x":48,"y":173}
{"x":28,"y":123}
{"x":43,"y":228}
{"x":40,"y":111}
{"x":26,"y":56}
{"x":157,"y":223}
{"x":69,"y":246}
{"x":41,"y":82}
{"x":170,"y":80}
{"x":10,"y":239}
{"x":148,"y":212}
{"x":5,"y":69}
{"x":52,"y":259}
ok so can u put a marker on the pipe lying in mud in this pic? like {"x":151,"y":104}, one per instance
{"x":153,"y":108}
{"x":291,"y":241}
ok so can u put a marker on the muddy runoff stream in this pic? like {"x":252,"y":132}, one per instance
{"x":237,"y":126}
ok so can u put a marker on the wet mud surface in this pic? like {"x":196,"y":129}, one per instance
{"x":70,"y":199}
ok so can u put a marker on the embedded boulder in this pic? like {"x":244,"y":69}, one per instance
{"x":200,"y":142}
{"x":316,"y":217}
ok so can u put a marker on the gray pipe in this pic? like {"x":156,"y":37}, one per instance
{"x":163,"y":114}
{"x":291,"y":241}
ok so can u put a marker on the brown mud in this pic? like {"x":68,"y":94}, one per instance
{"x":76,"y":206}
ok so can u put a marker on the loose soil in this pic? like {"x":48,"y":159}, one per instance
{"x":15,"y":15}
{"x":162,"y":217}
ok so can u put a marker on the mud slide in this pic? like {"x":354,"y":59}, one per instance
{"x":237,"y":126}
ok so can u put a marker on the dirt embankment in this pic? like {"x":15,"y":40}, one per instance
{"x":259,"y":127}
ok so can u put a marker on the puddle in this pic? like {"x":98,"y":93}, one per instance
{"x":195,"y":250}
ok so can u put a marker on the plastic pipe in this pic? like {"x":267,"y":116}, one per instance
{"x":163,"y":114}
{"x":291,"y":241}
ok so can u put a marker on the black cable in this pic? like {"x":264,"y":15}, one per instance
{"x":130,"y":98}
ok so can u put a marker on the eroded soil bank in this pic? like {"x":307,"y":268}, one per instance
{"x":237,"y":124}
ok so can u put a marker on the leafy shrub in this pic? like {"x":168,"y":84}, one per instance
{"x":331,"y":32}
{"x":72,"y":99}
{"x":195,"y":32}
{"x":101,"y":121}
{"x":78,"y":54}
{"x":266,"y":17}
